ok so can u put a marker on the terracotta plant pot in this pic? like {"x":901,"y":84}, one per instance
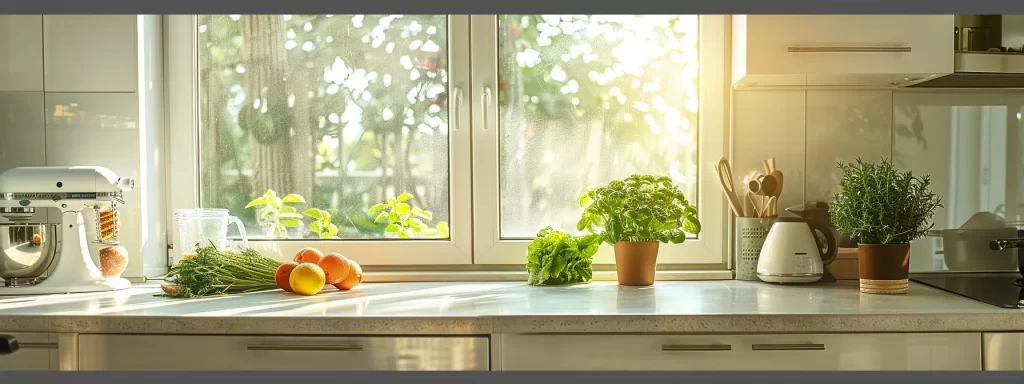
{"x":635,"y":262}
{"x":883,"y":268}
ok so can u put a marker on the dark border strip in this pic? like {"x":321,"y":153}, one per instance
{"x":518,"y":6}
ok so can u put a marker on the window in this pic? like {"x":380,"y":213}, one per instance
{"x":486,"y":127}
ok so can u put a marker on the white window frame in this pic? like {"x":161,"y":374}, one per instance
{"x":183,"y":158}
{"x":708,"y":249}
{"x":473,"y":157}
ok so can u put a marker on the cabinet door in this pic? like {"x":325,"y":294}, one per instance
{"x":90,"y":53}
{"x":38,"y":352}
{"x":211,"y":353}
{"x":730,"y":352}
{"x":21,"y":52}
{"x":840,"y":48}
{"x":1004,"y":351}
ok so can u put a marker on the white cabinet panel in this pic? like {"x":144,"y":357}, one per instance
{"x":21,"y":53}
{"x":1004,"y":351}
{"x":730,"y":352}
{"x":840,"y":49}
{"x":90,"y":53}
{"x":147,"y":353}
{"x":38,"y":353}
{"x":22,"y":130}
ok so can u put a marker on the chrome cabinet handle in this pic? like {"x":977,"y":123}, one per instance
{"x":457,"y":108}
{"x":695,"y":347}
{"x":37,"y":345}
{"x":788,"y":347}
{"x":486,"y":97}
{"x":848,"y":49}
{"x":305,"y":347}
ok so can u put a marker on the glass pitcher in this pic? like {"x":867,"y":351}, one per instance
{"x":204,"y":226}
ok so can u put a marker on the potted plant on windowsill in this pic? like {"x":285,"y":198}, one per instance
{"x":636,"y":215}
{"x":883,"y":210}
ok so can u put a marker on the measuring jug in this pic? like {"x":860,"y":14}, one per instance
{"x":204,"y":226}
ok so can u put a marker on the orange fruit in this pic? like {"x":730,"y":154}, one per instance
{"x":307,"y":279}
{"x":282,"y":275}
{"x":353,"y":279}
{"x":308,"y":255}
{"x":335,"y":266}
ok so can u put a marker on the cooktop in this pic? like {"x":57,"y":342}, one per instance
{"x":1002,"y":290}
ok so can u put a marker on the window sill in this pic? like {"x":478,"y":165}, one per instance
{"x":460,"y":276}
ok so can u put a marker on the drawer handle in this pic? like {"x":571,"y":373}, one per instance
{"x":788,"y":347}
{"x":37,"y":345}
{"x":695,"y":347}
{"x":305,"y":347}
{"x":848,"y":49}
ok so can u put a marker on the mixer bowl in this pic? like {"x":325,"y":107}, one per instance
{"x":26,"y":250}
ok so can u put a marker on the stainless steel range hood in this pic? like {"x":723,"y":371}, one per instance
{"x":981,"y":70}
{"x":989,"y":53}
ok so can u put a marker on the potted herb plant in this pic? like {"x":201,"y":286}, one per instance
{"x":558,"y":258}
{"x":636,"y":215}
{"x":883,"y":210}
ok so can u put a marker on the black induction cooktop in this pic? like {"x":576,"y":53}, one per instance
{"x":1004,"y":291}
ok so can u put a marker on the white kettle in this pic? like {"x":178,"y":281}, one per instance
{"x":792,"y":254}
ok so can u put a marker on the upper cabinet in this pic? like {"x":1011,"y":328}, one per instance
{"x":90,"y":53}
{"x":21,"y":53}
{"x":840,"y":50}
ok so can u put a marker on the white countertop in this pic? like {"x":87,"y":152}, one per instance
{"x":513,"y":307}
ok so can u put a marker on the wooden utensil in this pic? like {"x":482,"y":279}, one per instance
{"x":769,"y":208}
{"x":725,"y":177}
{"x":768,"y":185}
{"x":769,"y":166}
{"x":763,"y":186}
{"x":779,"y":180}
{"x":757,"y":212}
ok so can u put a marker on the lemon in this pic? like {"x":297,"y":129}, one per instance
{"x":307,"y":279}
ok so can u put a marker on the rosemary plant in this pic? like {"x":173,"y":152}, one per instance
{"x":877,"y":204}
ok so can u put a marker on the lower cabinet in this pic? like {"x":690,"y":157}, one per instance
{"x":945,"y":351}
{"x":37,"y":352}
{"x":1003,"y":351}
{"x":212,"y":353}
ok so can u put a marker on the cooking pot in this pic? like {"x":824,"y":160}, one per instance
{"x":968,"y":249}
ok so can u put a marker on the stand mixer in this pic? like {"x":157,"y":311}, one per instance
{"x":58,"y":250}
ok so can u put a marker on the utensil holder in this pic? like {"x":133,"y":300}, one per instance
{"x":748,"y":238}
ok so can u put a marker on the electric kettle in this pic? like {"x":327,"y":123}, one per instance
{"x":792,"y":253}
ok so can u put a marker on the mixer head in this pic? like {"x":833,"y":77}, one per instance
{"x":24,"y":189}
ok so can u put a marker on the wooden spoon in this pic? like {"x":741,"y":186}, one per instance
{"x":768,"y":186}
{"x":779,"y":180}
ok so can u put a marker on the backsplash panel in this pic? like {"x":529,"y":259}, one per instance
{"x":968,"y":142}
{"x":841,"y":126}
{"x":767,"y":124}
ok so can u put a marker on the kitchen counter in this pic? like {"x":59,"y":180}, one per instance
{"x":691,"y":307}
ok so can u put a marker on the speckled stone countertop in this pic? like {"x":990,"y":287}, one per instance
{"x":690,"y":307}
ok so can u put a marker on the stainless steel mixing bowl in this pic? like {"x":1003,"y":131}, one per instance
{"x":26,"y":250}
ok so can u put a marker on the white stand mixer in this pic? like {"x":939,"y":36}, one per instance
{"x":70,"y":190}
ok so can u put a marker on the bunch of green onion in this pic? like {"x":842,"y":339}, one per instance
{"x":213,"y":272}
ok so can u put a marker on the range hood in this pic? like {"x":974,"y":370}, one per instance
{"x":980,"y":70}
{"x":988,"y":53}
